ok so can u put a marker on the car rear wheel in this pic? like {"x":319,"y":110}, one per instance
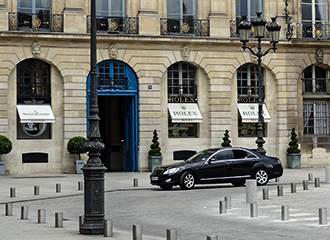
{"x":261,"y":177}
{"x":238,"y":183}
{"x":187,"y":180}
{"x":166,"y":187}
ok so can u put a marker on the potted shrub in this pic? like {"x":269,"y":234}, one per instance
{"x":155,"y":156}
{"x":226,"y":141}
{"x":76,"y":146}
{"x":293,"y":151}
{"x":5,"y":148}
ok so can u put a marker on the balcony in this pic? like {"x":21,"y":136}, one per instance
{"x":186,"y":27}
{"x":115,"y":25}
{"x":39,"y":22}
{"x":316,"y":31}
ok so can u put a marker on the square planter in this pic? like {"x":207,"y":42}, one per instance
{"x":2,"y":168}
{"x":79,"y":164}
{"x":154,"y":161}
{"x":294,"y":160}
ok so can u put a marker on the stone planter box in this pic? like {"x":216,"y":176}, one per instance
{"x":79,"y":164}
{"x":2,"y":168}
{"x":154,"y":161}
{"x":294,"y":160}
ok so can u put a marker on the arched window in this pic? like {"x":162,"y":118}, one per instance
{"x":247,"y":80}
{"x":182,"y":100}
{"x":316,"y":103}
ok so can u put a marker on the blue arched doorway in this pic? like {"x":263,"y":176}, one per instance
{"x":117,"y":89}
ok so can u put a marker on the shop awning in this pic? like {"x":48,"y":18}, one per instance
{"x":185,"y":112}
{"x":35,"y":113}
{"x":249,"y":112}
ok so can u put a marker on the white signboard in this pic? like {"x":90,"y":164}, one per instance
{"x":249,"y":112}
{"x":185,"y":112}
{"x":35,"y":113}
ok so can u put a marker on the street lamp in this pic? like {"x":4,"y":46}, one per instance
{"x":93,"y":220}
{"x":259,"y":26}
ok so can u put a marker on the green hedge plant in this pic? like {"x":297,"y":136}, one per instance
{"x":154,"y":147}
{"x":293,"y":144}
{"x":76,"y":145}
{"x":226,"y":141}
{"x":5,"y":145}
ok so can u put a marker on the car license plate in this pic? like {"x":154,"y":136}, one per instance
{"x":154,"y":178}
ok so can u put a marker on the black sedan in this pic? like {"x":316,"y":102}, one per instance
{"x":221,"y":165}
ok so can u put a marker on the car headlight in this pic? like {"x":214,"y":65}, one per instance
{"x":171,"y":171}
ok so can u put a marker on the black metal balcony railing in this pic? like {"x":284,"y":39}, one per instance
{"x":42,"y":21}
{"x":115,"y":25}
{"x":234,"y":30}
{"x":196,"y":27}
{"x":318,"y":31}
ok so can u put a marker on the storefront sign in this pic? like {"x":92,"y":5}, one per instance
{"x":184,"y":112}
{"x":182,"y":99}
{"x":249,"y":112}
{"x":35,"y":113}
{"x":247,"y":99}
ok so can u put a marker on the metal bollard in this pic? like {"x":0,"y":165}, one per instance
{"x":58,"y":219}
{"x":58,"y":187}
{"x":305,"y":185}
{"x":310,"y":177}
{"x":36,"y":190}
{"x":41,"y":215}
{"x":24,"y":212}
{"x":228,"y":202}
{"x":108,"y":228}
{"x":253,"y":210}
{"x":135,"y":182}
{"x":80,"y":186}
{"x":277,"y":179}
{"x":285,"y":213}
{"x":280,"y":191}
{"x":137,"y":232}
{"x":222,"y":207}
{"x":9,"y":209}
{"x":251,"y":190}
{"x":12,"y":192}
{"x":265,"y":194}
{"x":171,"y":234}
{"x":81,"y":220}
{"x":323,"y":216}
{"x":327,"y":175}
{"x":293,"y":187}
{"x":317,"y":182}
{"x":212,"y":237}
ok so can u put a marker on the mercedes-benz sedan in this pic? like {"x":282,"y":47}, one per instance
{"x":222,"y":165}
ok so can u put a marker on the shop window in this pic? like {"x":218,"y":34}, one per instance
{"x":315,"y":80}
{"x":33,"y":90}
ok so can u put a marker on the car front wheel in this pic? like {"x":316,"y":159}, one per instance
{"x":187,"y":181}
{"x":261,"y":177}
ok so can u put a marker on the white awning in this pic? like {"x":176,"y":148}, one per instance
{"x":249,"y":112}
{"x":35,"y":113}
{"x":185,"y":112}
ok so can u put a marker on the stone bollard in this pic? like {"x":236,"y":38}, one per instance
{"x":310,"y":177}
{"x":305,"y":185}
{"x":24,"y":212}
{"x":253,"y":210}
{"x":80,"y":186}
{"x":228,"y":202}
{"x":327,"y":175}
{"x":251,"y":190}
{"x":9,"y":209}
{"x":135,"y":182}
{"x":41,"y":215}
{"x":36,"y":190}
{"x":58,"y":188}
{"x":317,"y":182}
{"x":293,"y":187}
{"x":58,"y":219}
{"x":284,"y":213}
{"x":323,"y":216}
{"x":171,"y":234}
{"x":108,"y":228}
{"x":137,"y":232}
{"x":222,"y":207}
{"x":12,"y":192}
{"x":280,"y":191}
{"x":212,"y":237}
{"x":265,"y":194}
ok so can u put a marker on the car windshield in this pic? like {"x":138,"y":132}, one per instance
{"x":201,"y":156}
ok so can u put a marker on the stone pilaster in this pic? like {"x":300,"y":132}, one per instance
{"x":3,"y":16}
{"x":74,"y":17}
{"x":219,"y":19}
{"x":149,"y":19}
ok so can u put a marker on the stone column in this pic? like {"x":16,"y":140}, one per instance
{"x":149,"y":19}
{"x":74,"y":17}
{"x":3,"y":16}
{"x":219,"y":19}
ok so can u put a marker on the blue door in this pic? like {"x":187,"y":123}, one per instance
{"x":117,"y":85}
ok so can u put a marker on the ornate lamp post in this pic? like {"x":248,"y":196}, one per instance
{"x":93,"y":222}
{"x":244,"y":29}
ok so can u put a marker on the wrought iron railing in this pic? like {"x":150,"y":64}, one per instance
{"x":196,"y":27}
{"x":115,"y":25}
{"x":42,"y":21}
{"x":109,"y":83}
{"x":318,"y":31}
{"x":320,"y":85}
{"x":234,"y":30}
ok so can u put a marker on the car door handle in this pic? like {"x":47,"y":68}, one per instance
{"x":228,"y":163}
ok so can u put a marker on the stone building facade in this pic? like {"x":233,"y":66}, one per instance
{"x":154,"y":53}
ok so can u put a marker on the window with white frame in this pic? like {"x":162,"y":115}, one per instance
{"x":315,"y":80}
{"x":316,"y":117}
{"x":248,"y":8}
{"x":110,"y":8}
{"x":34,"y":14}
